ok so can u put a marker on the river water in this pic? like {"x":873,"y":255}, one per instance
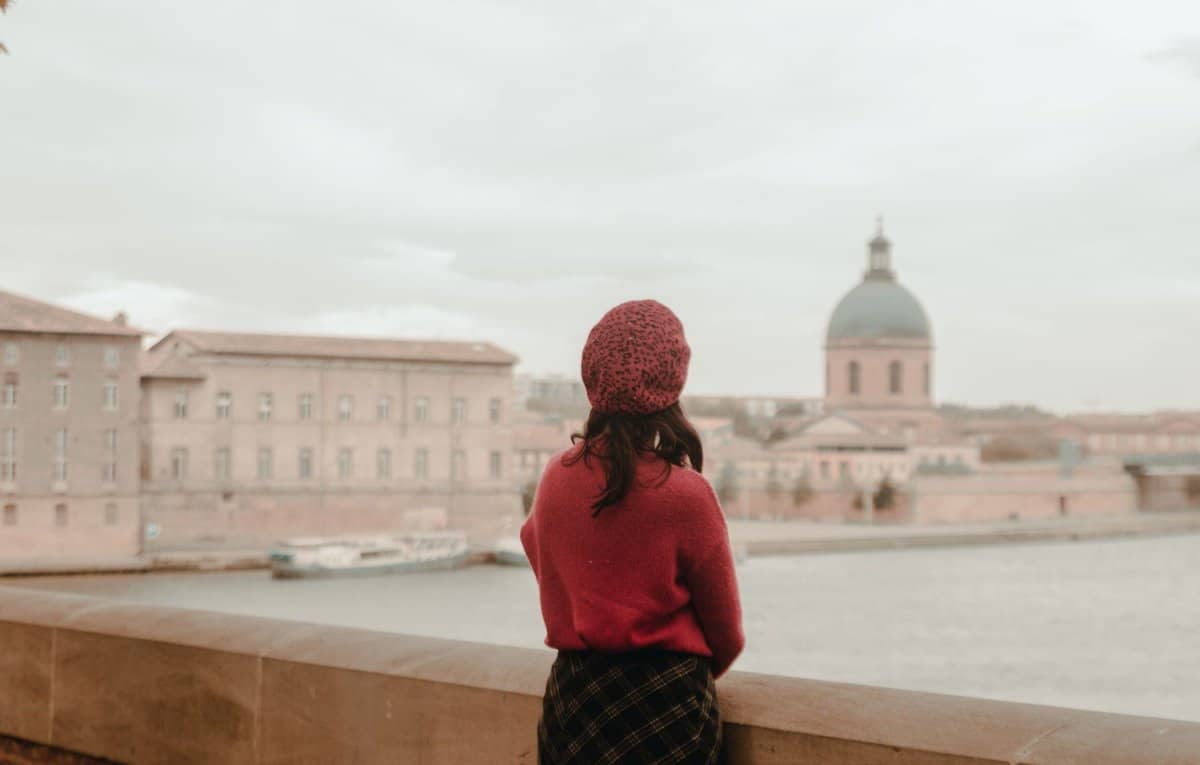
{"x":1112,"y":625}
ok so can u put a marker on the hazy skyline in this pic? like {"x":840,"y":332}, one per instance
{"x":510,"y":171}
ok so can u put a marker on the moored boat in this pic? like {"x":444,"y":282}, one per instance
{"x":368,"y":555}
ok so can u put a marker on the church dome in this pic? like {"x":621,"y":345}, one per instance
{"x":879,"y":307}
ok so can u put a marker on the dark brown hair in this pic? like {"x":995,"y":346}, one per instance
{"x":619,"y":440}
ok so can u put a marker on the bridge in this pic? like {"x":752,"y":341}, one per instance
{"x":85,"y":680}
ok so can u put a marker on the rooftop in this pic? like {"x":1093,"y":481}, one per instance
{"x":24,"y":314}
{"x":331,"y":346}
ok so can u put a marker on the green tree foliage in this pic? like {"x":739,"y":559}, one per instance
{"x":527,"y":493}
{"x":1192,"y":488}
{"x":727,"y":483}
{"x":885,"y":495}
{"x":802,"y":492}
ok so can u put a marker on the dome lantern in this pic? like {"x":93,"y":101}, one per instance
{"x":879,"y":257}
{"x":879,"y":307}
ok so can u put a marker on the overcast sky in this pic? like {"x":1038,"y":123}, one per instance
{"x":509,"y":170}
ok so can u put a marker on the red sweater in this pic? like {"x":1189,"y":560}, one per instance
{"x":654,"y":570}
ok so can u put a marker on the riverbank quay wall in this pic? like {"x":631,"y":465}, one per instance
{"x":149,"y":684}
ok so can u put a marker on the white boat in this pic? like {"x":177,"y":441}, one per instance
{"x":510,"y":552}
{"x":368,"y":555}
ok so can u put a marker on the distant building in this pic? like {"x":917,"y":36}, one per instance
{"x":881,"y":451}
{"x":555,"y":394}
{"x":252,"y":437}
{"x":1130,"y":434}
{"x":68,"y":433}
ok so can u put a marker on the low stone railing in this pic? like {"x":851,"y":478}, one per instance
{"x":148,"y":684}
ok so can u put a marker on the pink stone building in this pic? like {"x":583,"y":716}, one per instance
{"x":249,"y":437}
{"x":881,"y":440}
{"x":68,"y":433}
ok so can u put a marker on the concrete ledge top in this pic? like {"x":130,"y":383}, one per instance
{"x":954,"y":729}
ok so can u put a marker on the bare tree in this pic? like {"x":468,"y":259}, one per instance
{"x":3,"y":9}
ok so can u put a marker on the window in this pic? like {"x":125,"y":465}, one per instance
{"x":421,"y":409}
{"x":843,"y":469}
{"x":110,"y":396}
{"x":8,"y":455}
{"x":179,"y":463}
{"x":62,"y":356}
{"x":383,"y":463}
{"x":12,"y":354}
{"x":109,"y":466}
{"x":824,"y":469}
{"x":62,"y":392}
{"x":181,"y":404}
{"x":928,"y":381}
{"x":345,"y":460}
{"x":60,"y":515}
{"x":222,"y":464}
{"x":495,"y":465}
{"x":10,"y":515}
{"x":264,"y":407}
{"x":60,"y":454}
{"x":266,"y":459}
{"x":458,"y":465}
{"x":421,"y":463}
{"x":304,"y":469}
{"x":305,"y":406}
{"x":494,"y":410}
{"x":110,"y":514}
{"x":383,"y":409}
{"x":854,"y":382}
{"x":458,"y":411}
{"x":896,"y":377}
{"x":224,"y":405}
{"x":10,"y":390}
{"x":112,"y":356}
{"x":345,"y":408}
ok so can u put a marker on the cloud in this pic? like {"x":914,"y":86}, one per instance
{"x":513,"y":169}
{"x":1185,"y":53}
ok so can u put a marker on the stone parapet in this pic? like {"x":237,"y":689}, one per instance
{"x":149,"y":684}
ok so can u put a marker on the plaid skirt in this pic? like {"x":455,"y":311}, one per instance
{"x":641,"y":707}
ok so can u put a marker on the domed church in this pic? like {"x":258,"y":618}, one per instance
{"x":879,"y":351}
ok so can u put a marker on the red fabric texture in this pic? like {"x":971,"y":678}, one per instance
{"x":636,"y":359}
{"x":652,"y":571}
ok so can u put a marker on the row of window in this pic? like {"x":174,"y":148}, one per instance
{"x":8,"y":455}
{"x":1143,"y":441}
{"x":61,"y":516}
{"x":895,"y":378}
{"x":345,"y":407}
{"x":110,"y":398}
{"x":223,"y":463}
{"x":62,"y":355}
{"x":825,"y":471}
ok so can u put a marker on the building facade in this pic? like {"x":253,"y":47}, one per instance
{"x":248,"y":438}
{"x":881,"y":451}
{"x":68,"y":433}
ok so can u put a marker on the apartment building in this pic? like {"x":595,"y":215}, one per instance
{"x":250,"y":437}
{"x":68,"y":433}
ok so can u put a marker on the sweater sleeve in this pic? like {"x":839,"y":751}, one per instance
{"x":713,"y":584}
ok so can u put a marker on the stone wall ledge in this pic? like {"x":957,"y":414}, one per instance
{"x":150,"y":684}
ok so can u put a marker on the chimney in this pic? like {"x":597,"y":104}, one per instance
{"x":121,"y":319}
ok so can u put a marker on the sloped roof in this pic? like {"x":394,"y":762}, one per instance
{"x":24,"y":314}
{"x":1135,"y":423}
{"x":329,"y":346}
{"x":170,"y":366}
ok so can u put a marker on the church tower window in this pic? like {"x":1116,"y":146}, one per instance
{"x":896,"y":377}
{"x":854,"y":375}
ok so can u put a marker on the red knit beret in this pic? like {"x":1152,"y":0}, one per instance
{"x":636,"y":359}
